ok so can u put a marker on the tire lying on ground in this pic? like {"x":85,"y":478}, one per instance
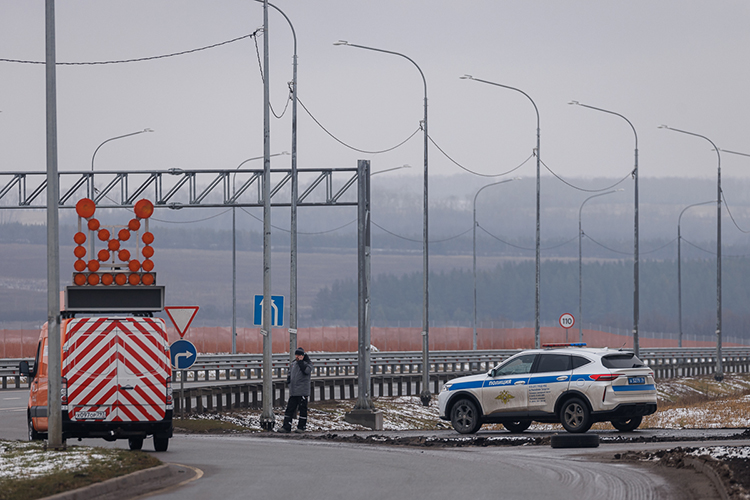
{"x":574,"y":440}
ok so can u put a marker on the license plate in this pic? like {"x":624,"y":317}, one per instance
{"x":91,"y":415}
{"x":636,"y":380}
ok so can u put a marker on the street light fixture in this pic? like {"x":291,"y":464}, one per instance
{"x":425,"y":395}
{"x":580,"y":263}
{"x":474,"y":227}
{"x":719,"y":376}
{"x":679,"y":267}
{"x":115,"y":138}
{"x":636,"y":239}
{"x":538,"y":161}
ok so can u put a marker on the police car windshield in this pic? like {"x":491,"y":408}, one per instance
{"x":622,"y":360}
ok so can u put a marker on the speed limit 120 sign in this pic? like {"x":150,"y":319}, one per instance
{"x":567,"y":321}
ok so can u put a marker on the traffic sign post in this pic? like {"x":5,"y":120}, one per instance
{"x":567,"y":321}
{"x":277,"y":310}
{"x":182,"y":354}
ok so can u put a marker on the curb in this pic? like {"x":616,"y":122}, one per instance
{"x":118,"y":487}
{"x":709,"y":472}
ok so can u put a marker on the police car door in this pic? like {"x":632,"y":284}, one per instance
{"x":550,"y":378}
{"x":505,"y":388}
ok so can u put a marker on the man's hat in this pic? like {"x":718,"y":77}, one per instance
{"x":299,"y":352}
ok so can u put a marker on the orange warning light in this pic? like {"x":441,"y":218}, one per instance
{"x":85,"y":207}
{"x":79,"y":251}
{"x":93,"y":224}
{"x":147,"y":279}
{"x":79,"y":279}
{"x":93,"y":279}
{"x":121,"y":279}
{"x":103,"y":255}
{"x":80,"y":265}
{"x":134,"y":265}
{"x":107,"y":279}
{"x":134,"y":279}
{"x":113,"y":245}
{"x":79,"y":238}
{"x":134,"y":224}
{"x":144,"y":209}
{"x":93,"y":265}
{"x":103,"y":234}
{"x":124,"y":255}
{"x":123,"y":235}
{"x":148,"y":237}
{"x":148,"y":265}
{"x":148,"y":251}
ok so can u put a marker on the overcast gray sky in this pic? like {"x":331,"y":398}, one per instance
{"x":681,"y":63}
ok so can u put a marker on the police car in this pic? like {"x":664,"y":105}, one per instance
{"x":574,"y":386}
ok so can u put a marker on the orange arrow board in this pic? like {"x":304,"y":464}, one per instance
{"x":181,"y":317}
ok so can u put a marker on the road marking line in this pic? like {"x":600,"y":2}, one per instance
{"x":198,"y":475}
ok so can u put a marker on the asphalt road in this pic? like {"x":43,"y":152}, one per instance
{"x":253,"y":466}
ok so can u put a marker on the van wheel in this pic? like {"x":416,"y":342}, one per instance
{"x":135,"y":444}
{"x":33,"y":434}
{"x":161,"y":443}
{"x":627,"y":425}
{"x":465,"y":417}
{"x":517,"y":427}
{"x":575,"y":416}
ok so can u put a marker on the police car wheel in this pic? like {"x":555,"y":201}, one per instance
{"x":627,"y":425}
{"x":465,"y":417}
{"x":575,"y":416}
{"x":574,"y":441}
{"x":135,"y":444}
{"x":519,"y":426}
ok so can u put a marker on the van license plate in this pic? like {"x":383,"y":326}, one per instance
{"x":89,"y":415}
{"x":636,"y":380}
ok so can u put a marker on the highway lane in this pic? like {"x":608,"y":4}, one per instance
{"x":13,"y":414}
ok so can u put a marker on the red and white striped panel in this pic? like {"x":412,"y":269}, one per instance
{"x":116,"y":366}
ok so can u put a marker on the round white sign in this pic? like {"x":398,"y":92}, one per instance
{"x":567,"y":321}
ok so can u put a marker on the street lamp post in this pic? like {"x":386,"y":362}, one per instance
{"x":295,"y":188}
{"x":580,"y":264}
{"x":719,"y":376}
{"x":425,"y":395}
{"x":679,"y":268}
{"x":538,"y":191}
{"x":636,"y":239}
{"x":234,"y":253}
{"x":474,"y":227}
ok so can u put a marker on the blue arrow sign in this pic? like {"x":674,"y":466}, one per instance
{"x":183,"y":354}
{"x":277,"y":310}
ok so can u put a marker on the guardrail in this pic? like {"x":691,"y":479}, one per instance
{"x":223,"y":369}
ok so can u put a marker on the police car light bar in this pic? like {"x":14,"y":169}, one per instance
{"x":576,"y":344}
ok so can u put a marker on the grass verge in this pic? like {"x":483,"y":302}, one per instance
{"x":39,"y":473}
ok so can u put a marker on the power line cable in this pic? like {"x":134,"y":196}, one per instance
{"x":139,"y":59}
{"x":418,"y":241}
{"x":352,"y":147}
{"x":300,"y":232}
{"x":190,"y":221}
{"x":730,"y":214}
{"x":477,"y":173}
{"x":263,"y":79}
{"x":524,"y":248}
{"x":583,"y":189}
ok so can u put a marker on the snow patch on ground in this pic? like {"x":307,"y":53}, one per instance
{"x":30,"y":460}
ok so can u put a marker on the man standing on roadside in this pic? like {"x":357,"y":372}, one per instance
{"x":299,"y":390}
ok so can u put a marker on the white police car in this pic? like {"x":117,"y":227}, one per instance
{"x":574,"y":386}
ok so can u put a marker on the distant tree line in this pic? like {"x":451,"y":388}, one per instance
{"x":507,"y":293}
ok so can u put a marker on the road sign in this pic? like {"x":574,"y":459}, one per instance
{"x":567,"y":321}
{"x":277,"y":310}
{"x":181,"y":317}
{"x":183,"y":354}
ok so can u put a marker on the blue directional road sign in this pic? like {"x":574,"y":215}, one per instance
{"x":183,"y":354}
{"x":277,"y":310}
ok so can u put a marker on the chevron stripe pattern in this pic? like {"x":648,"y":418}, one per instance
{"x":116,"y":369}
